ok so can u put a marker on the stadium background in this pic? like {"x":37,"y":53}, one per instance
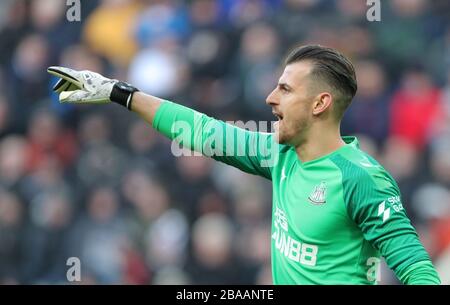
{"x":97,"y":183}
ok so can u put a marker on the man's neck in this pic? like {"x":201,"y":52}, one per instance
{"x":319,"y":143}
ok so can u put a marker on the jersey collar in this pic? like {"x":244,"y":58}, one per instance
{"x":350,"y":142}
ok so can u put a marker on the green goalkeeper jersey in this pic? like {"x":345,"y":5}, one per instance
{"x":332,"y":217}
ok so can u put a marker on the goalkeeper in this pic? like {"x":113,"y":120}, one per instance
{"x":336,"y":211}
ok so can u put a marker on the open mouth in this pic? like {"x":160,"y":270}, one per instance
{"x":278,"y":115}
{"x":277,"y":124}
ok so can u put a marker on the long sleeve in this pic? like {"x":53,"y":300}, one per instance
{"x":373,"y":202}
{"x":420,"y":273}
{"x":375,"y":206}
{"x":251,"y":152}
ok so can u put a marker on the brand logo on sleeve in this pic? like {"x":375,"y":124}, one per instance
{"x":387,"y":207}
{"x":385,"y":212}
{"x":318,"y":195}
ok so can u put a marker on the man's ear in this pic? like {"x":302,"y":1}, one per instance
{"x":322,"y":102}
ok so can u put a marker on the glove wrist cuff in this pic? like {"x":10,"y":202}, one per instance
{"x":122,"y":93}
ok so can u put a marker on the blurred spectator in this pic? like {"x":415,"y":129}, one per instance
{"x":243,"y":13}
{"x":191,"y":181}
{"x":352,"y":10}
{"x":99,"y":161}
{"x":101,"y":237}
{"x":432,"y":204}
{"x":46,"y":244}
{"x":210,"y":44}
{"x":253,"y":249}
{"x":49,"y":151}
{"x":158,"y":232}
{"x":48,"y":177}
{"x":13,"y":27}
{"x":94,"y":129}
{"x":238,"y":185}
{"x":212,"y":201}
{"x":297,"y":17}
{"x":206,"y":14}
{"x":257,"y":65}
{"x":47,"y":138}
{"x":401,"y":159}
{"x":212,"y":237}
{"x":45,"y":14}
{"x":27,"y":76}
{"x":403,"y":19}
{"x":250,"y":209}
{"x":415,"y":108}
{"x":160,"y":22}
{"x":368,"y":113}
{"x":167,"y":240}
{"x":80,"y":57}
{"x":13,"y":159}
{"x":148,"y":198}
{"x":48,"y":18}
{"x":364,"y":48}
{"x":11,"y":237}
{"x":150,"y":148}
{"x":324,"y":35}
{"x":135,"y":270}
{"x":440,"y":161}
{"x":438,"y":55}
{"x":431,"y":201}
{"x":109,"y":30}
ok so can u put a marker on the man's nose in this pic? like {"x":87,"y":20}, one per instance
{"x":271,"y":98}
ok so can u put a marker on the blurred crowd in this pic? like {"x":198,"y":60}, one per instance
{"x":97,"y":183}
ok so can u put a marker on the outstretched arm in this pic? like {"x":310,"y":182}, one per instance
{"x":252,"y":152}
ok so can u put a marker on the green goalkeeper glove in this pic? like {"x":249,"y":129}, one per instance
{"x":87,"y":87}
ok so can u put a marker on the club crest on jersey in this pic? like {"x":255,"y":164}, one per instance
{"x":318,"y":195}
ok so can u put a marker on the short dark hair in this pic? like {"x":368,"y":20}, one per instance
{"x":333,"y":68}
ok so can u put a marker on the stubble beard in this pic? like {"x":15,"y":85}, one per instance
{"x":293,"y":135}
